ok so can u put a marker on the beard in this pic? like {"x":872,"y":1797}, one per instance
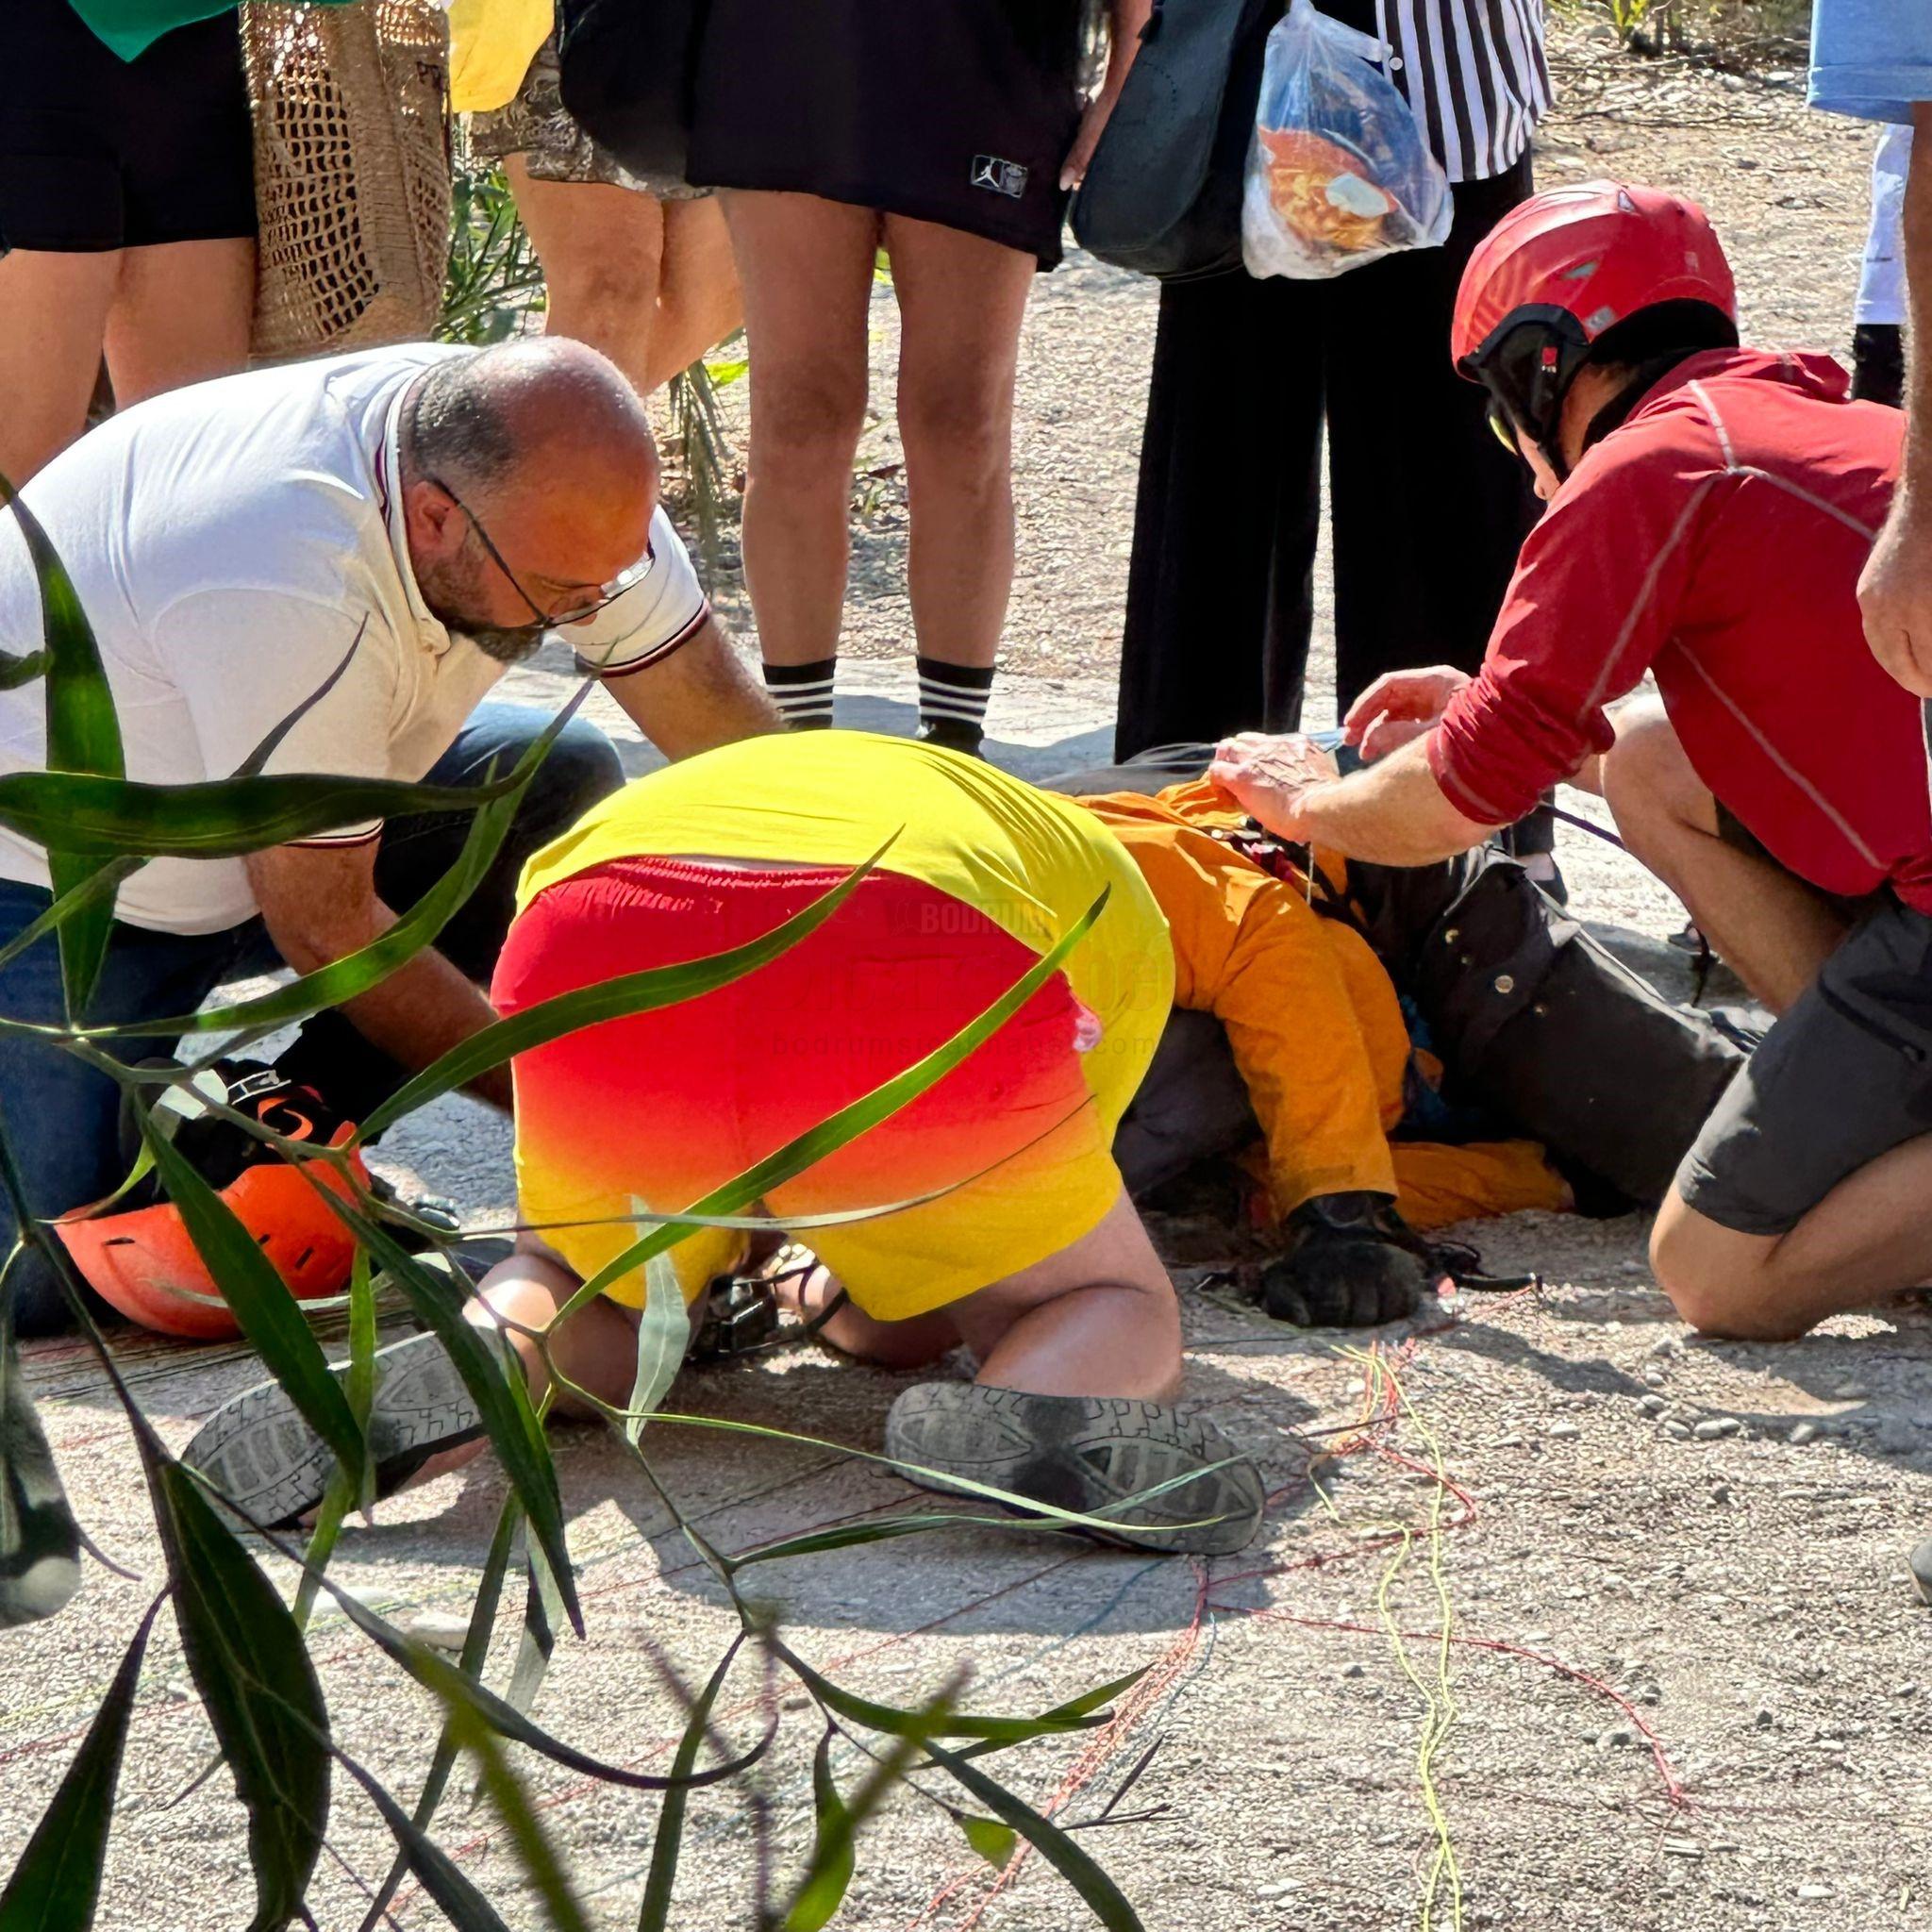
{"x":505,"y":644}
{"x":452,"y":593}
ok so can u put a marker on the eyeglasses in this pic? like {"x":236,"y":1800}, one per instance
{"x":1503,"y":429}
{"x":551,"y":619}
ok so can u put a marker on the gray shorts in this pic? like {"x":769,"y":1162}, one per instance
{"x":553,"y":146}
{"x":1844,"y":1077}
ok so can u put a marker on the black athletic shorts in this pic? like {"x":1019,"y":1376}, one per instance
{"x":1844,"y":1077}
{"x":954,"y":111}
{"x":99,"y":153}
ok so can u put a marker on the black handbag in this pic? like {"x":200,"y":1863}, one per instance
{"x":1163,"y":194}
{"x":625,"y":69}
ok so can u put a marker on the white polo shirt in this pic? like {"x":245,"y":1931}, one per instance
{"x":230,"y":543}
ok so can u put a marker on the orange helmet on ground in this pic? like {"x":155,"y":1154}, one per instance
{"x":141,"y":1260}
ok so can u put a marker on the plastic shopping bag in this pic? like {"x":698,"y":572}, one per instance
{"x":1338,"y":172}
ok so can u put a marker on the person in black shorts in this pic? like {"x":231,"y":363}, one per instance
{"x":127,"y":220}
{"x":945,"y":133}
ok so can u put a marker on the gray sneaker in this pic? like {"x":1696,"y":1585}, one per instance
{"x":259,"y":1453}
{"x":1084,"y":1453}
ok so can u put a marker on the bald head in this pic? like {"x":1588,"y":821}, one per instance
{"x":548,"y":446}
{"x":541,"y":415}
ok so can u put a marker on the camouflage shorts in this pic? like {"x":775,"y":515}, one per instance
{"x":555,"y":147}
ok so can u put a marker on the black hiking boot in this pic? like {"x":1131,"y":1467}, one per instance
{"x":1351,"y":1262}
{"x":1089,"y":1454}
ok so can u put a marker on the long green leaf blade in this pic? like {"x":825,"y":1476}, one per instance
{"x":498,"y":1391}
{"x":343,"y":979}
{"x":654,"y":1915}
{"x":39,"y":1540}
{"x":269,"y":1314}
{"x":82,"y":735}
{"x":474,"y":1653}
{"x":355,"y":972}
{"x":612,"y":999}
{"x":460,"y":1901}
{"x":1102,"y":1896}
{"x":833,"y":1859}
{"x":259,"y":1687}
{"x":221,"y":818}
{"x":538,"y":1856}
{"x":56,"y":1884}
{"x":1080,"y":1714}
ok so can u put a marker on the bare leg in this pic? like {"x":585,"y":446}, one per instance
{"x":806,"y":266}
{"x":1774,"y":929}
{"x":698,"y":298}
{"x":1870,"y":1239}
{"x":53,"y":317}
{"x":1099,"y":1318}
{"x":181,"y":314}
{"x":602,"y":250}
{"x":961,"y":299}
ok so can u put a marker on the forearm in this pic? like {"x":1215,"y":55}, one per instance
{"x":418,"y":1013}
{"x":701,"y":697}
{"x":1394,"y":813}
{"x":1129,"y":22}
{"x":1915,"y":482}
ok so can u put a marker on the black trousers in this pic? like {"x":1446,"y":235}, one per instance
{"x":1429,"y":510}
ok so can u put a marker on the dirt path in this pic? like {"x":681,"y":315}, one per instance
{"x":1690,"y":1688}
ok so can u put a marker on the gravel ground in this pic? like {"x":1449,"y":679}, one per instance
{"x":1686,"y":1685}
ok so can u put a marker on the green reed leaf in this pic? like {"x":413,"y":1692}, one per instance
{"x":39,"y":1540}
{"x":221,"y":818}
{"x":257,"y":1686}
{"x":611,"y":999}
{"x":262,"y":1301}
{"x":56,"y":1884}
{"x":1103,"y":1897}
{"x":993,"y":1840}
{"x":654,"y":1915}
{"x":821,"y":1891}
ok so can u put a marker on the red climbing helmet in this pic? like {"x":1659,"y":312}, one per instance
{"x":139,"y":1256}
{"x":1557,"y":275}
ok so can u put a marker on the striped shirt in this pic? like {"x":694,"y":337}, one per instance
{"x":1474,"y":71}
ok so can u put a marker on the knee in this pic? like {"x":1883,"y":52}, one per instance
{"x":1732,"y":1300}
{"x":581,"y":768}
{"x":1646,"y":776}
{"x":962,"y":428}
{"x":805,"y":423}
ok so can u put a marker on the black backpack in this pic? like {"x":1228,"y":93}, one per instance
{"x":1534,"y":1021}
{"x":1163,"y":193}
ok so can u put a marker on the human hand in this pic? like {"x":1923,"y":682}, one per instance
{"x":1093,"y":125}
{"x":1398,"y":706}
{"x":1269,"y":776}
{"x":1896,"y":597}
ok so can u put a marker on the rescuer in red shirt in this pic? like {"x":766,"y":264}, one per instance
{"x":1710,"y":508}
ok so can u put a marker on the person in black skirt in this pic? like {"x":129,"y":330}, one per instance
{"x":1428,"y":511}
{"x":945,"y":133}
{"x":127,"y":220}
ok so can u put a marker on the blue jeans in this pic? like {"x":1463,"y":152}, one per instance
{"x":62,"y":1118}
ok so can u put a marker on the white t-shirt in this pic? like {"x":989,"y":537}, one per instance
{"x":230,"y":543}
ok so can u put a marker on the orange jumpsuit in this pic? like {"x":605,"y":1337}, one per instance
{"x":1313,"y":1021}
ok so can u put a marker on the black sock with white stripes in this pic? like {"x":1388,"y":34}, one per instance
{"x":952,"y":704}
{"x":803,"y":693}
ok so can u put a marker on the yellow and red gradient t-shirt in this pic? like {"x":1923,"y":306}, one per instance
{"x":1030,"y":862}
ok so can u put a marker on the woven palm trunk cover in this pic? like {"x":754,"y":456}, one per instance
{"x":352,"y":173}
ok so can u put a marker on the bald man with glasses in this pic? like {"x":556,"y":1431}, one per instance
{"x":361,"y":545}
